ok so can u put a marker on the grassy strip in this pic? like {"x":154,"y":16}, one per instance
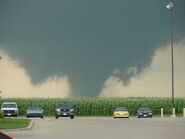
{"x":9,"y":123}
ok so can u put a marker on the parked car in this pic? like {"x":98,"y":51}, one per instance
{"x":64,"y":109}
{"x":144,"y":112}
{"x":34,"y":112}
{"x":10,"y":109}
{"x":121,"y":112}
{"x":4,"y":136}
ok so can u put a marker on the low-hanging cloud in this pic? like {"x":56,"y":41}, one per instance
{"x":15,"y":82}
{"x":154,"y":80}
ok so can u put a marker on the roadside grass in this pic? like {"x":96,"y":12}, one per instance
{"x":10,"y":123}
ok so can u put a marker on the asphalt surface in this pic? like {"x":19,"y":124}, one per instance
{"x":103,"y":128}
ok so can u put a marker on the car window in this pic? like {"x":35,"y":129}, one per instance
{"x":120,"y":109}
{"x":65,"y":104}
{"x":144,"y":109}
{"x":34,"y":108}
{"x":9,"y":106}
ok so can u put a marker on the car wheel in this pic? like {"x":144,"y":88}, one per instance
{"x":72,"y":117}
{"x":41,"y":117}
{"x":27,"y":116}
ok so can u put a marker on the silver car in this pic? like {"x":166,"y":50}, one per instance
{"x":34,"y":112}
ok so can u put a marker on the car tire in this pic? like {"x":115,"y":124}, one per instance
{"x":72,"y":117}
{"x":27,"y":116}
{"x":42,"y":117}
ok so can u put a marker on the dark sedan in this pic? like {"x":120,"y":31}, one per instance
{"x":144,"y":112}
{"x":34,"y":112}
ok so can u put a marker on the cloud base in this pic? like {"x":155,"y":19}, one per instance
{"x":154,"y":80}
{"x":15,"y":82}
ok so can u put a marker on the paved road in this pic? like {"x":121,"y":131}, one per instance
{"x":103,"y":128}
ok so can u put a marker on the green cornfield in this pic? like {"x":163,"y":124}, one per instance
{"x":99,"y":106}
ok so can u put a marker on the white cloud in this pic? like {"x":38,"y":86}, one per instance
{"x":155,"y":80}
{"x":15,"y":82}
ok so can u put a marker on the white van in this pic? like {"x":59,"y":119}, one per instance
{"x":10,"y":109}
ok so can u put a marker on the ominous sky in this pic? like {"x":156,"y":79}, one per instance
{"x":89,"y":48}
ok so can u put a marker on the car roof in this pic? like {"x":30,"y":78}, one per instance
{"x":9,"y":103}
{"x":144,"y":108}
{"x":35,"y":107}
{"x":121,"y":108}
{"x":6,"y":136}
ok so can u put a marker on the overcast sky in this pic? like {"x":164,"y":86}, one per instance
{"x":84,"y":47}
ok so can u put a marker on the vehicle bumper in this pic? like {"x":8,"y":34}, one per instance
{"x":10,"y":114}
{"x":144,"y":116}
{"x":65,"y":114}
{"x":34,"y":115}
{"x":121,"y":116}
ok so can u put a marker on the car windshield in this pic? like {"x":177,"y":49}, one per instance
{"x":34,"y":108}
{"x":65,"y":104}
{"x":9,"y":106}
{"x":144,"y":109}
{"x":120,"y":109}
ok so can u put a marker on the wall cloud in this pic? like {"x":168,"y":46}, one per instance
{"x":155,"y":80}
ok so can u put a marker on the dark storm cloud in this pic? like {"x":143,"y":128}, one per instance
{"x":86,"y":39}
